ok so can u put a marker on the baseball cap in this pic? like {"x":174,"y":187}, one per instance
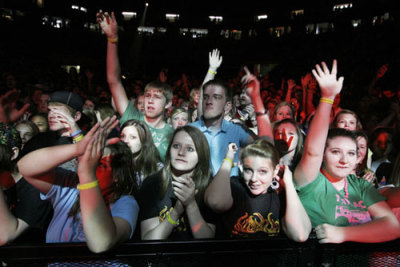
{"x":68,"y":98}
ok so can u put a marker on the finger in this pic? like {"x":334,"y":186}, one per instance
{"x":325,"y":67}
{"x":316,"y":75}
{"x":319,"y":70}
{"x":112,"y":141}
{"x":246,"y":70}
{"x":113,"y":17}
{"x":334,"y":67}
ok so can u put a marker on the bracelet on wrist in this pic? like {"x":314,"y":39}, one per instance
{"x":78,"y":138}
{"x":76,"y":133}
{"x":87,"y":185}
{"x":113,"y":40}
{"x":212,"y":72}
{"x":171,"y":221}
{"x":326,"y":100}
{"x":229,"y":160}
{"x":261,"y":113}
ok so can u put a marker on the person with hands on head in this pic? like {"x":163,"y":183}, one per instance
{"x":341,"y":206}
{"x":171,"y":201}
{"x":157,"y":95}
{"x":101,"y":210}
{"x":251,"y":205}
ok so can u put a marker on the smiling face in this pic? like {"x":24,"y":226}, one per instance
{"x":258,"y":173}
{"x":346,"y":121}
{"x":154,"y":103}
{"x":340,"y":156}
{"x":183,"y":153}
{"x":130,"y":136}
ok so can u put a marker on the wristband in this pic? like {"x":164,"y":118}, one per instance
{"x":261,"y":113}
{"x":87,"y":185}
{"x":76,"y":133}
{"x":171,"y":221}
{"x":113,"y":40}
{"x":78,"y":138}
{"x":326,"y":100}
{"x":226,"y":159}
{"x":212,"y":72}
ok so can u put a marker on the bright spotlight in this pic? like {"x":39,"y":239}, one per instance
{"x":147,"y":4}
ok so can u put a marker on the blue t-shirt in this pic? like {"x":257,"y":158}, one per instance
{"x":218,"y":142}
{"x":70,"y":229}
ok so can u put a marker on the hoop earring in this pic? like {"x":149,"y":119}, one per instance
{"x":274,"y":184}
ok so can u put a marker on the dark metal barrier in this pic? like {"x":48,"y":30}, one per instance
{"x":226,"y":253}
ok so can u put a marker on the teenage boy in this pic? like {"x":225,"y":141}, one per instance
{"x":157,"y":95}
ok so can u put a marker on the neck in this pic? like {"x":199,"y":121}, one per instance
{"x":157,"y":123}
{"x":214,"y":124}
{"x":182,"y":174}
{"x":338,"y":183}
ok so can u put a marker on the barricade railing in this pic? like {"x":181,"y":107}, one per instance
{"x":266,"y":252}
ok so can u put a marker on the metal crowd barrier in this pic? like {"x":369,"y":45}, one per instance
{"x":227,"y":253}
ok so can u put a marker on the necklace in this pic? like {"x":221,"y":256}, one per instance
{"x":331,"y":178}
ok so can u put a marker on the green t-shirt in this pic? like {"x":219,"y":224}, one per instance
{"x":324,"y":204}
{"x":161,"y":137}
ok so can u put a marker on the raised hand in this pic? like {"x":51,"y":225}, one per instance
{"x":108,"y":24}
{"x":103,"y":129}
{"x":8,"y":111}
{"x":252,"y":83}
{"x":215,"y":59}
{"x":329,"y":84}
{"x":231,"y":151}
{"x":62,"y":114}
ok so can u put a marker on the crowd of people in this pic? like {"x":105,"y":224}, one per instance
{"x":241,"y":158}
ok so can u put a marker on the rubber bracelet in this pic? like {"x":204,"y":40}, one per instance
{"x":87,"y":185}
{"x":226,"y":159}
{"x":171,"y":221}
{"x":78,"y":138}
{"x":261,"y":113}
{"x":212,"y":72}
{"x":76,"y":133}
{"x":326,"y":100}
{"x":113,"y":40}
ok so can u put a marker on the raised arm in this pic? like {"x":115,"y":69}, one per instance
{"x":215,"y":61}
{"x":310,"y":163}
{"x":37,"y":166}
{"x":8,"y":107}
{"x":110,"y":27}
{"x":263,"y":123}
{"x":218,"y":195}
{"x":295,"y":223}
{"x":102,"y":231}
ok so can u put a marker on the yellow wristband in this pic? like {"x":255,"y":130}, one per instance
{"x":212,"y":72}
{"x":226,"y":159}
{"x":171,"y":221}
{"x":78,"y":138}
{"x":88,"y":185}
{"x":326,"y":100}
{"x":113,"y":40}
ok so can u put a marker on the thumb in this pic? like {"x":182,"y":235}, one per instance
{"x":112,"y":141}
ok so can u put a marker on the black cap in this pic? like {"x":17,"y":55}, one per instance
{"x":68,"y":98}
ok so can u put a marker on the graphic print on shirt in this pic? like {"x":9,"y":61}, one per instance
{"x":350,"y":213}
{"x":254,"y":223}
